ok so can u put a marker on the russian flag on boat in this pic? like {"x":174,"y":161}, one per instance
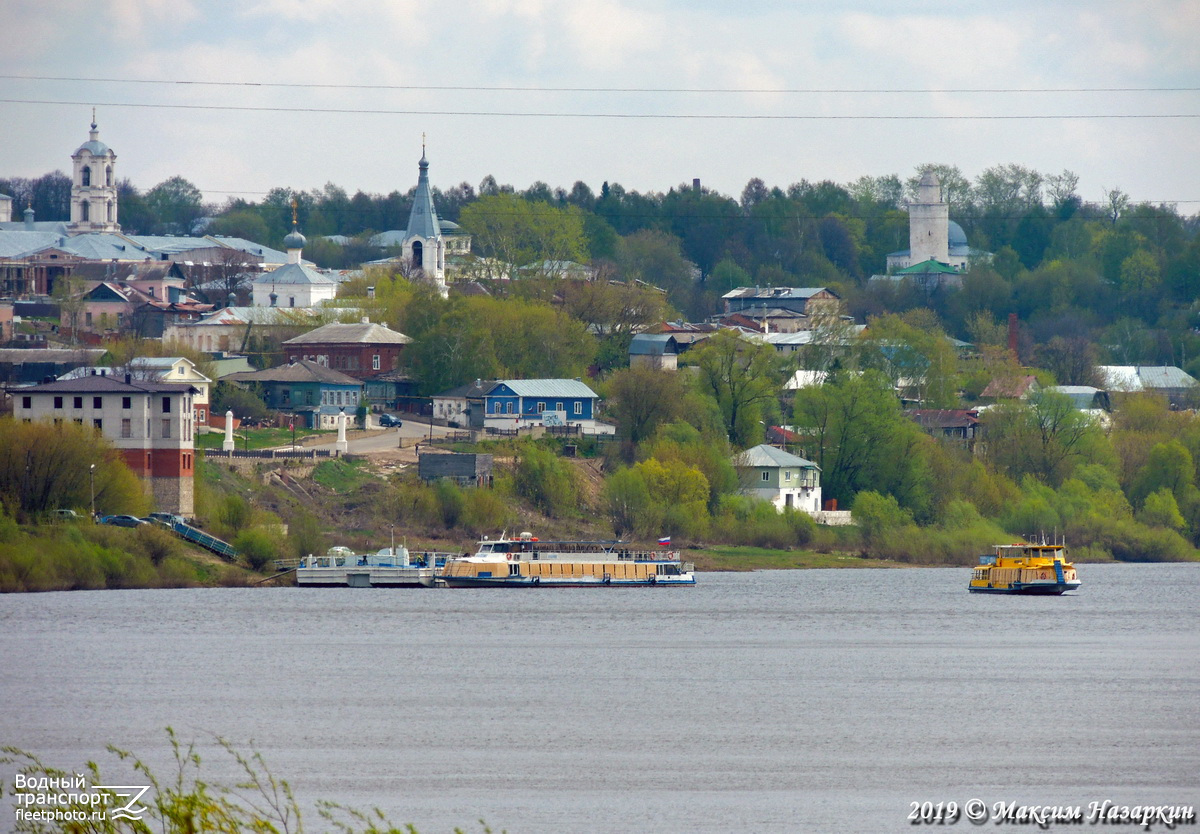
{"x":664,"y":540}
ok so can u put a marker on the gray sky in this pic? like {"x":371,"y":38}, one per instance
{"x":667,"y":60}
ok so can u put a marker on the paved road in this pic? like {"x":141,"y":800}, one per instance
{"x":382,"y":440}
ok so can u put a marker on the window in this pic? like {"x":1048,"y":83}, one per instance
{"x":108,"y":177}
{"x":338,"y":398}
{"x":26,"y":402}
{"x":97,"y":402}
{"x":87,"y":319}
{"x":291,"y":301}
{"x":166,"y":405}
{"x":79,"y":421}
{"x":126,"y":403}
{"x":558,"y":406}
{"x":509,"y":408}
{"x":541,"y":407}
{"x":375,"y":362}
{"x":85,"y":178}
{"x":579,"y":407}
{"x":98,"y":424}
{"x":286,"y":395}
{"x":766,"y":476}
{"x":77,"y":402}
{"x":787,"y":476}
{"x":110,"y":211}
{"x":84,"y":209}
{"x":181,"y":371}
{"x":166,"y":427}
{"x":126,"y":427}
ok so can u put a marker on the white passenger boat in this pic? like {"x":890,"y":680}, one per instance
{"x":342,"y":567}
{"x":526,"y":562}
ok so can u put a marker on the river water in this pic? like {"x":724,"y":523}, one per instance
{"x":778,"y":701}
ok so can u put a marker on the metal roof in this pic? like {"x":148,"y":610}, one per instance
{"x":1130,"y":378}
{"x":110,"y":385}
{"x":368,"y":333}
{"x":423,"y":219}
{"x":294,"y":274}
{"x":769,"y":456}
{"x":302,"y":370}
{"x":646,"y":344}
{"x":777,"y":292}
{"x":547,"y":388}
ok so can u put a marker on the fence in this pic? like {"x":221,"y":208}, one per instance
{"x":291,"y":454}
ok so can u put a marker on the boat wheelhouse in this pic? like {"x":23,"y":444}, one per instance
{"x":526,"y":562}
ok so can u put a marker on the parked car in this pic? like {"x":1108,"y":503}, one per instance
{"x":166,"y":519}
{"x":388,"y":421}
{"x":124,"y":520}
{"x":65,"y":515}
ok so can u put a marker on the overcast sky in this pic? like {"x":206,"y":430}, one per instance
{"x":790,"y":91}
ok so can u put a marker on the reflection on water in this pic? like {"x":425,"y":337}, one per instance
{"x":763,"y":702}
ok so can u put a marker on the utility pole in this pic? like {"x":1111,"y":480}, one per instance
{"x":92,"y":472}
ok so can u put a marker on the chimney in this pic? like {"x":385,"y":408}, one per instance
{"x":128,"y":378}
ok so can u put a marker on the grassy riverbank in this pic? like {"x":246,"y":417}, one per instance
{"x":731,"y":558}
{"x":84,"y":556}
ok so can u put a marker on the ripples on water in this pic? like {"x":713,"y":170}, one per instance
{"x":763,"y":702}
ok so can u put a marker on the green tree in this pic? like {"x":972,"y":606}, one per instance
{"x":548,"y":481}
{"x":1045,"y":437}
{"x":641,"y":399}
{"x":176,"y":204}
{"x":743,"y":377}
{"x":862,"y":440}
{"x":520,"y":232}
{"x":47,"y":466}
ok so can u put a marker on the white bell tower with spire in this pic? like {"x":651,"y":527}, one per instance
{"x":94,"y":186}
{"x":424,"y":247}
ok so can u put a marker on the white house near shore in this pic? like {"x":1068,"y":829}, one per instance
{"x":784,"y":479}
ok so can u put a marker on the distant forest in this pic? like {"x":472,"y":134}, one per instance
{"x":1120,"y":276}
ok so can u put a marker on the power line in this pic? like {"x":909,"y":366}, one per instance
{"x":631,"y":116}
{"x":538,"y":89}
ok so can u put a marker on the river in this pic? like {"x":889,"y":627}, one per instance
{"x":781,"y":701}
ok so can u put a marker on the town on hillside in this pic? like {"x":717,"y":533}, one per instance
{"x":909,"y":370}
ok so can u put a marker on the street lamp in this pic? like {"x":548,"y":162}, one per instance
{"x":92,"y":472}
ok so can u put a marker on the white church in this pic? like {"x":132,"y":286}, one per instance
{"x":932,"y":235}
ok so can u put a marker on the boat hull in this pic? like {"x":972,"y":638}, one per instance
{"x":564,"y":582}
{"x":1055,"y":589}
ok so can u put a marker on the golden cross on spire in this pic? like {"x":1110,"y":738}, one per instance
{"x":422,"y":143}
{"x":294,"y":204}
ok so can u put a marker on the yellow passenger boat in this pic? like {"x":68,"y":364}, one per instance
{"x":526,"y":562}
{"x":1024,"y":569}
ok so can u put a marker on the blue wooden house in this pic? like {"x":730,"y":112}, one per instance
{"x":518,"y":403}
{"x":307,"y":389}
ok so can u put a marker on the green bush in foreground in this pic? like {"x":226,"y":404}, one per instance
{"x":184,"y":803}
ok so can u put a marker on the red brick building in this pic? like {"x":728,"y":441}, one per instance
{"x":363,"y":350}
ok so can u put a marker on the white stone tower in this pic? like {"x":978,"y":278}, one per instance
{"x":424,"y":247}
{"x":94,"y":186}
{"x":928,"y":223}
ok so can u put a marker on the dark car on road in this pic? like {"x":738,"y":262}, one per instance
{"x":389,"y":421}
{"x":124,"y":520}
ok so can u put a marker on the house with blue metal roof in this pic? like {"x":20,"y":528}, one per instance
{"x":521,"y":403}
